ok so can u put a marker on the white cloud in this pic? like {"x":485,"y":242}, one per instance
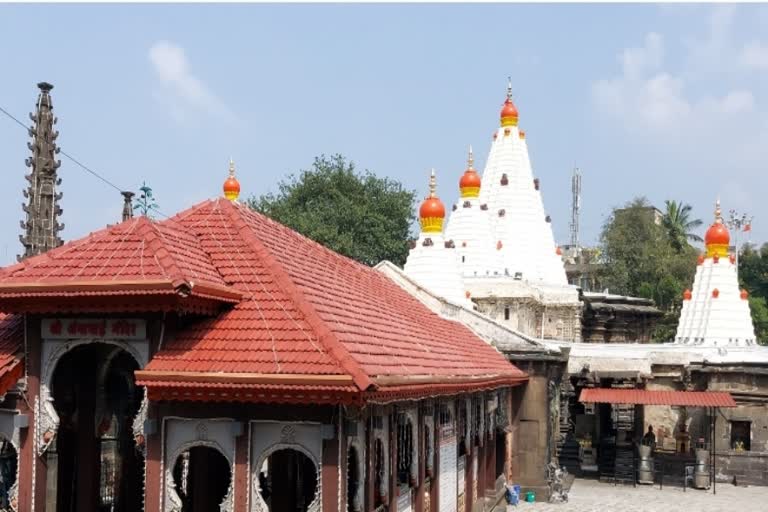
{"x":754,"y":56}
{"x":636,"y":61}
{"x":181,"y":88}
{"x":647,"y":96}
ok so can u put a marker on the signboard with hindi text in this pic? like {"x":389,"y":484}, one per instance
{"x":78,"y":328}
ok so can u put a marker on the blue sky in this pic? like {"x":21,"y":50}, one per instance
{"x":661,"y":101}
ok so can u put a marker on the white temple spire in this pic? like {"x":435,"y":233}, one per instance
{"x":715,"y":312}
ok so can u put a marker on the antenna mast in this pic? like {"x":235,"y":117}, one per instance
{"x":575,"y":207}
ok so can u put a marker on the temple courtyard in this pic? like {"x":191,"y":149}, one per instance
{"x":594,"y":496}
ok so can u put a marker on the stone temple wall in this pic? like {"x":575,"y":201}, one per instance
{"x":750,"y":390}
{"x":534,"y":319}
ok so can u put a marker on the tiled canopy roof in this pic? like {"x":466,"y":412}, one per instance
{"x":137,"y":257}
{"x":310,"y":317}
{"x":657,"y":397}
{"x":305,"y":321}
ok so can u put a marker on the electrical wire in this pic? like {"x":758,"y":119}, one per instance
{"x":79,"y":163}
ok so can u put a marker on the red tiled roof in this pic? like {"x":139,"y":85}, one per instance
{"x":657,"y":397}
{"x":137,"y":257}
{"x":11,"y":341}
{"x":309,"y":311}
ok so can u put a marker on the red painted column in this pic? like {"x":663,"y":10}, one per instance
{"x":242,"y":479}
{"x":154,"y":478}
{"x":29,"y":462}
{"x":330,"y":473}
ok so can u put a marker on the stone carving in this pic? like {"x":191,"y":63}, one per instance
{"x":202,"y":432}
{"x":288,"y":434}
{"x":138,"y":424}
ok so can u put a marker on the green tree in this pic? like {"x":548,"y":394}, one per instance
{"x":641,"y":260}
{"x":679,"y":225}
{"x":359,"y":215}
{"x":753,"y":276}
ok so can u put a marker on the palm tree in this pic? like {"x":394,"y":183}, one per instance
{"x":679,"y":225}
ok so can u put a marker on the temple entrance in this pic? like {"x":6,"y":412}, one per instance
{"x":288,"y":481}
{"x":97,"y":465}
{"x":202,"y":477}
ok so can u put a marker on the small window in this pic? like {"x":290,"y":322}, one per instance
{"x":506,"y":313}
{"x":740,"y":435}
{"x":462,"y":259}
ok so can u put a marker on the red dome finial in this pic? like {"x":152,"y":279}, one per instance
{"x":469,"y":184}
{"x":717,"y":237}
{"x":231,"y":185}
{"x":509,"y":113}
{"x":432,"y":210}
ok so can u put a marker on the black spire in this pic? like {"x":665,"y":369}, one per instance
{"x":42,"y":226}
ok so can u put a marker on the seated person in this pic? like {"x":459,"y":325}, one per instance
{"x":649,"y":439}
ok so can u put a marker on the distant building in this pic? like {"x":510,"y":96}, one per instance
{"x":652,"y":212}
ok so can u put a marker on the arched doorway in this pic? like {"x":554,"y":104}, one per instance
{"x":288,"y":481}
{"x":99,"y":467}
{"x":202,"y":478}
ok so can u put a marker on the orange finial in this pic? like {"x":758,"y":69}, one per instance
{"x":509,"y":113}
{"x":715,"y":293}
{"x":469,"y":184}
{"x":432,"y":210}
{"x":231,"y":185}
{"x":717,"y":237}
{"x":687,"y":295}
{"x":744,"y":294}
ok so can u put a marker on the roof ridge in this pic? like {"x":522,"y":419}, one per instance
{"x":163,"y":256}
{"x":325,"y":335}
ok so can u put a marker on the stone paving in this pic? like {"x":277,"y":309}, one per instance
{"x":593,"y":496}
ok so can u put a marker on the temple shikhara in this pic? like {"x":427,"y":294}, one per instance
{"x":502,"y":238}
{"x":217,"y":360}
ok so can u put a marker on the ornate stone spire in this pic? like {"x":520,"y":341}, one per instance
{"x":42,"y":226}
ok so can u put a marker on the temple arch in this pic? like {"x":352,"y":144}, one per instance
{"x":92,"y":460}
